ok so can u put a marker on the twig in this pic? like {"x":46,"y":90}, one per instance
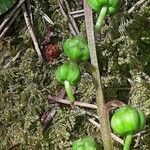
{"x":30,"y":29}
{"x":6,"y":55}
{"x":77,"y":13}
{"x":9,"y":24}
{"x":87,"y":105}
{"x":113,"y":104}
{"x":137,"y":140}
{"x":136,"y":5}
{"x":71,"y":18}
{"x":12,"y":61}
{"x":48,"y":116}
{"x":65,"y":15}
{"x":116,"y":138}
{"x":102,"y":112}
{"x":30,"y":12}
{"x":76,"y":103}
{"x":10,"y":15}
{"x":142,"y":132}
{"x":71,"y":22}
{"x":45,"y":16}
{"x":85,"y":112}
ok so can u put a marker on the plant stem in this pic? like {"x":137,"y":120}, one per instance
{"x":69,"y":91}
{"x":101,"y":108}
{"x":128,"y":142}
{"x":100,"y":19}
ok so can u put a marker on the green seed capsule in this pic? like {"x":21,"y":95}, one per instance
{"x":86,"y":143}
{"x":76,"y":48}
{"x":103,"y":7}
{"x":126,"y":121}
{"x":68,"y":74}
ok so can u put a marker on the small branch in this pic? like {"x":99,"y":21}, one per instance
{"x":77,"y":13}
{"x":9,"y":24}
{"x":12,"y":61}
{"x":45,"y":16}
{"x":5,"y":56}
{"x":11,"y":14}
{"x":48,"y":116}
{"x":29,"y":10}
{"x":66,"y":13}
{"x":71,"y":19}
{"x":30,"y":29}
{"x":142,"y":132}
{"x":136,"y":5}
{"x":66,"y":17}
{"x":87,"y":105}
{"x":137,"y":142}
{"x":76,"y":103}
{"x":113,"y":104}
{"x":116,"y":138}
{"x":102,"y":112}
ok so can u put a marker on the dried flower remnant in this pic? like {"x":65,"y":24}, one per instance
{"x":47,"y":36}
{"x":51,"y":52}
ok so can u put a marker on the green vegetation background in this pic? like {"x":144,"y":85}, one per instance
{"x":124,"y":56}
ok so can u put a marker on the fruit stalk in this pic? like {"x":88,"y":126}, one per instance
{"x":100,"y":19}
{"x":128,"y":142}
{"x":69,"y":91}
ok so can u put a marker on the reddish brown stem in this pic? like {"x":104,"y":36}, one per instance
{"x":76,"y":103}
{"x":102,"y":111}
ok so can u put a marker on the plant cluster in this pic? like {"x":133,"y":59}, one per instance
{"x":124,"y":58}
{"x":77,"y":50}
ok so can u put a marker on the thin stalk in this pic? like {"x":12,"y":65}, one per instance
{"x":100,"y":19}
{"x":9,"y":23}
{"x":128,"y":142}
{"x":69,"y":91}
{"x":11,"y":14}
{"x":101,"y":108}
{"x":32,"y":34}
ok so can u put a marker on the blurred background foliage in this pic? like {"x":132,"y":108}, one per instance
{"x":124,"y":56}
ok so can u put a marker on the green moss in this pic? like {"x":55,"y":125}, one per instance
{"x":124,"y":58}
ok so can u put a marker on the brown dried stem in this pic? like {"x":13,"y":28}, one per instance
{"x":76,"y":103}
{"x":12,"y":61}
{"x":11,"y":14}
{"x":77,"y":13}
{"x":30,"y":29}
{"x":66,"y":13}
{"x":86,"y":105}
{"x":44,"y":15}
{"x":136,"y":5}
{"x":29,"y":10}
{"x":116,"y":138}
{"x":9,"y":24}
{"x":48,"y":116}
{"x":71,"y":19}
{"x":102,"y":111}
